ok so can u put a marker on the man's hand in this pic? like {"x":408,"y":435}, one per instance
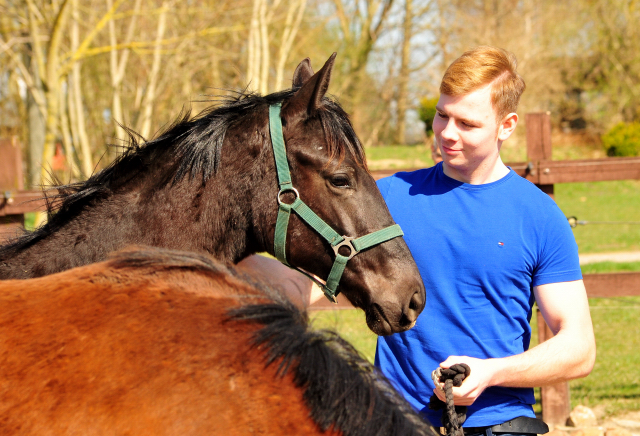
{"x":568,"y":355}
{"x":472,"y":386}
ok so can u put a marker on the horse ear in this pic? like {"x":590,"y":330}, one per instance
{"x":308,"y":98}
{"x":302,"y":73}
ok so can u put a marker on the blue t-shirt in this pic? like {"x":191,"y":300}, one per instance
{"x":480,"y":250}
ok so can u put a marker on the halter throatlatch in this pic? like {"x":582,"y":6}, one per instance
{"x":355,"y":245}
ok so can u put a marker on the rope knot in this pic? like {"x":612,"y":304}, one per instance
{"x":452,"y":416}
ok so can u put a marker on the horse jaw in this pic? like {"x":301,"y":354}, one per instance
{"x":389,"y":313}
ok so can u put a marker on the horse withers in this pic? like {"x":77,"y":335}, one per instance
{"x":209,"y":184}
{"x":159,"y":342}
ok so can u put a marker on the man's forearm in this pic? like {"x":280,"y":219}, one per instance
{"x":299,"y":289}
{"x":568,"y":355}
{"x":559,"y":359}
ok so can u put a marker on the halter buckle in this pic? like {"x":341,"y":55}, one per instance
{"x":346,"y":243}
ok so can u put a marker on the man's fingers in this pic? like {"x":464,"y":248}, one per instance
{"x":435,"y":376}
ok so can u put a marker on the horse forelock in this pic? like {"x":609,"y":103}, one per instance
{"x":340,"y":136}
{"x":343,"y":391}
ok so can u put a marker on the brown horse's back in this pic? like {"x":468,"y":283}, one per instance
{"x":145,"y":350}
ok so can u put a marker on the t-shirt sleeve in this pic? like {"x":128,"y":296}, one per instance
{"x":383,"y":185}
{"x":558,"y":252}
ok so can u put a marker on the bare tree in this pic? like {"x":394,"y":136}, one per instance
{"x":403,"y":77}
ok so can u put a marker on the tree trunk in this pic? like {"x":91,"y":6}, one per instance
{"x":403,"y":78}
{"x":150,"y":96}
{"x":117,"y":68}
{"x":288,"y":36}
{"x":67,"y":140}
{"x":82,"y":139}
{"x":36,"y":129}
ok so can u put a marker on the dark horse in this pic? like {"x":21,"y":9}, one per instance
{"x":209,"y":185}
{"x":162,"y":342}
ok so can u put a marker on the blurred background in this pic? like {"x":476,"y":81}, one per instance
{"x":73,"y":72}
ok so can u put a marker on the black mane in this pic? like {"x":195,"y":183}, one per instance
{"x":191,"y":146}
{"x":341,"y":388}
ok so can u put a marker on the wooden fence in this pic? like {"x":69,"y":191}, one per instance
{"x":540,"y":169}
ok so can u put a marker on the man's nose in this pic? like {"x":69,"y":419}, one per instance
{"x":450,"y":132}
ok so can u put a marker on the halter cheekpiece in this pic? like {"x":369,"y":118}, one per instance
{"x":355,"y":245}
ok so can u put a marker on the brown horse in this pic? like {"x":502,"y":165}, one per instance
{"x":209,"y":184}
{"x":160,"y":342}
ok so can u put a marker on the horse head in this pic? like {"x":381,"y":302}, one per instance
{"x":329,"y":175}
{"x":211,"y":184}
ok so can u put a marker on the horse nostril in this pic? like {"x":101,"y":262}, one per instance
{"x":416,"y":303}
{"x":413,"y":304}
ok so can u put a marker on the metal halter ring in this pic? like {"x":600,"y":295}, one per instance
{"x":295,"y":191}
{"x":346,"y":243}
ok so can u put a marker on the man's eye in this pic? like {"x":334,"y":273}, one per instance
{"x":340,"y":181}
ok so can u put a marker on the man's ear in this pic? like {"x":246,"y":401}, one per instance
{"x":507,"y":126}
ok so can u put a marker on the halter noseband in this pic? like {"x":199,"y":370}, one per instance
{"x":355,"y":245}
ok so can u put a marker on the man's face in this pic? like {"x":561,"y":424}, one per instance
{"x":467,"y":132}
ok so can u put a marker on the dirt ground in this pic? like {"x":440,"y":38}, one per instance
{"x":623,"y":256}
{"x":629,"y":421}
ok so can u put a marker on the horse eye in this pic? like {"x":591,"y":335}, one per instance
{"x":340,"y":181}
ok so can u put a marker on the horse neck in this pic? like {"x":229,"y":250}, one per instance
{"x":189,"y":216}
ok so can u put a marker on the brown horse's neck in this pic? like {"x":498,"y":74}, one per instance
{"x":188,"y":216}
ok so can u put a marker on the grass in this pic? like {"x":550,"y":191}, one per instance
{"x":398,"y":157}
{"x":612,"y":212}
{"x":607,"y":267}
{"x":351,"y":325}
{"x":29,"y":220}
{"x":614,"y":384}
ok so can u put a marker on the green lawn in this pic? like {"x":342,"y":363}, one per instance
{"x":614,"y":382}
{"x":612,"y":210}
{"x":398,"y":157}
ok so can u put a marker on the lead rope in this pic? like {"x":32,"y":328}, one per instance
{"x":452,"y":416}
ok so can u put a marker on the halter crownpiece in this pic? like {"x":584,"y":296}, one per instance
{"x":355,"y":245}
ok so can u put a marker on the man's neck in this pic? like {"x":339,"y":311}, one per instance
{"x":487,"y":172}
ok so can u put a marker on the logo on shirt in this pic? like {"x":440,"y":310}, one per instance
{"x":501,"y":244}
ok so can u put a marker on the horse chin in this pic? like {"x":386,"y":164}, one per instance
{"x":379,"y":324}
{"x":377,"y":321}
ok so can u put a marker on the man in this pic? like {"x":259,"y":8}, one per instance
{"x":487,"y":243}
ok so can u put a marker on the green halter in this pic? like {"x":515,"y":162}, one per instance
{"x":355,"y":245}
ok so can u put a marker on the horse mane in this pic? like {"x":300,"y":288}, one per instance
{"x":343,"y":391}
{"x":192,"y":144}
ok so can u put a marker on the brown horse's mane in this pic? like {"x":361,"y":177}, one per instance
{"x":342,"y":389}
{"x":191,"y":147}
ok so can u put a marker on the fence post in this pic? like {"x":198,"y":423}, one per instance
{"x":11,"y":181}
{"x":555,"y":399}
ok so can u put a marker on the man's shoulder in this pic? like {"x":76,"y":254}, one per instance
{"x":527,"y":191}
{"x":402,"y":180}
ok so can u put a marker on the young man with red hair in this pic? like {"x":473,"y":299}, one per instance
{"x":488,"y":244}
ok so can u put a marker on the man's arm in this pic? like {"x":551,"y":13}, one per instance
{"x":568,"y":355}
{"x":296,"y":286}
